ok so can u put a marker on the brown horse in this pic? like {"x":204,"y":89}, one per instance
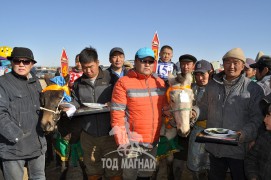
{"x":50,"y":101}
{"x":56,"y":120}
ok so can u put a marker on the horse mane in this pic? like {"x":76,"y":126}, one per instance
{"x":180,"y":79}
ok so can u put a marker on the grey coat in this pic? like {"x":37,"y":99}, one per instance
{"x":21,"y":136}
{"x":239,"y":110}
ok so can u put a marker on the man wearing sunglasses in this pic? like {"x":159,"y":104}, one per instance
{"x":21,"y":138}
{"x":136,"y":112}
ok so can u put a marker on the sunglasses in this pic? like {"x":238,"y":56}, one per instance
{"x":18,"y":61}
{"x":145,"y":61}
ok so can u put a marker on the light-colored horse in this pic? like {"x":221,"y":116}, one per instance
{"x":181,"y":101}
{"x":180,"y":98}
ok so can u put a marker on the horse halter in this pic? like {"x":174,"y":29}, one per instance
{"x":56,"y":112}
{"x":171,"y":88}
{"x":169,"y":121}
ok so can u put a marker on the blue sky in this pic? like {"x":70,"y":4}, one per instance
{"x":206,"y":29}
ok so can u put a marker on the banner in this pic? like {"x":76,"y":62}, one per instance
{"x":64,"y":63}
{"x":155,"y":48}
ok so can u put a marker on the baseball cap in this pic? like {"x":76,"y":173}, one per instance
{"x":144,"y":52}
{"x":249,"y":61}
{"x":264,"y":61}
{"x":202,"y":66}
{"x":116,"y":49}
{"x":187,"y":58}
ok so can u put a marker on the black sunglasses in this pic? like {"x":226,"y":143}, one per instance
{"x":145,"y":61}
{"x":18,"y":61}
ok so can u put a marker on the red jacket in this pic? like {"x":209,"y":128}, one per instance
{"x":138,"y":100}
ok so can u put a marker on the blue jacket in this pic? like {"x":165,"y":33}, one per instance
{"x":238,"y":110}
{"x":21,"y":136}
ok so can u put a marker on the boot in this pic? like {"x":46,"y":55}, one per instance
{"x":95,"y":177}
{"x":116,"y":178}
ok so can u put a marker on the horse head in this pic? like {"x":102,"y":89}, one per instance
{"x":180,"y":97}
{"x":50,"y":99}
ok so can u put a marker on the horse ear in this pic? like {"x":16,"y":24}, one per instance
{"x":188,"y":79}
{"x":42,"y":103}
{"x":171,"y":79}
{"x":180,"y":78}
{"x":67,"y":78}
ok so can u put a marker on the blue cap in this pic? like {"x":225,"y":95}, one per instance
{"x":145,"y":52}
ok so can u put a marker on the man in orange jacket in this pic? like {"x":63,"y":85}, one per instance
{"x":136,"y":111}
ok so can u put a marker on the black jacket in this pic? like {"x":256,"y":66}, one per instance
{"x":21,"y":135}
{"x":99,"y":92}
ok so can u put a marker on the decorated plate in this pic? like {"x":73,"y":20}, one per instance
{"x":95,"y":105}
{"x":219,"y":132}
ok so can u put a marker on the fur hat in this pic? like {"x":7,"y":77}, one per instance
{"x":235,"y":53}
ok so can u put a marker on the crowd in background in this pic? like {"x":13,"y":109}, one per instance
{"x":236,"y":97}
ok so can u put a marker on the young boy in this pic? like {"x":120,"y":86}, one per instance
{"x":165,"y":65}
{"x":258,"y":160}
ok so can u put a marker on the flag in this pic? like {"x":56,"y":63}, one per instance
{"x":155,"y":48}
{"x":64,"y":63}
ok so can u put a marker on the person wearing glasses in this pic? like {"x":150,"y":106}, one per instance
{"x":136,"y":112}
{"x":22,"y":140}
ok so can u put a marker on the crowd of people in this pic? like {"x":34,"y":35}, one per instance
{"x":237,"y":98}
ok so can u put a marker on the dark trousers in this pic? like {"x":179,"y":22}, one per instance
{"x":219,"y":167}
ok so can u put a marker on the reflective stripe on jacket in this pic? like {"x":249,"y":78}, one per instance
{"x":138,"y":100}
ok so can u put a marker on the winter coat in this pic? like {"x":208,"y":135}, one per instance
{"x":99,"y":92}
{"x":238,"y":110}
{"x":21,"y":136}
{"x":138,"y":100}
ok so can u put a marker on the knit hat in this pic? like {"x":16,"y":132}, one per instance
{"x":235,"y":53}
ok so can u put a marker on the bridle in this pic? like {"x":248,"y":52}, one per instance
{"x":171,"y":88}
{"x":168,"y":120}
{"x":56,"y":112}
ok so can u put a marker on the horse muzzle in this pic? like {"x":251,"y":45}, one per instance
{"x":183,"y":134}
